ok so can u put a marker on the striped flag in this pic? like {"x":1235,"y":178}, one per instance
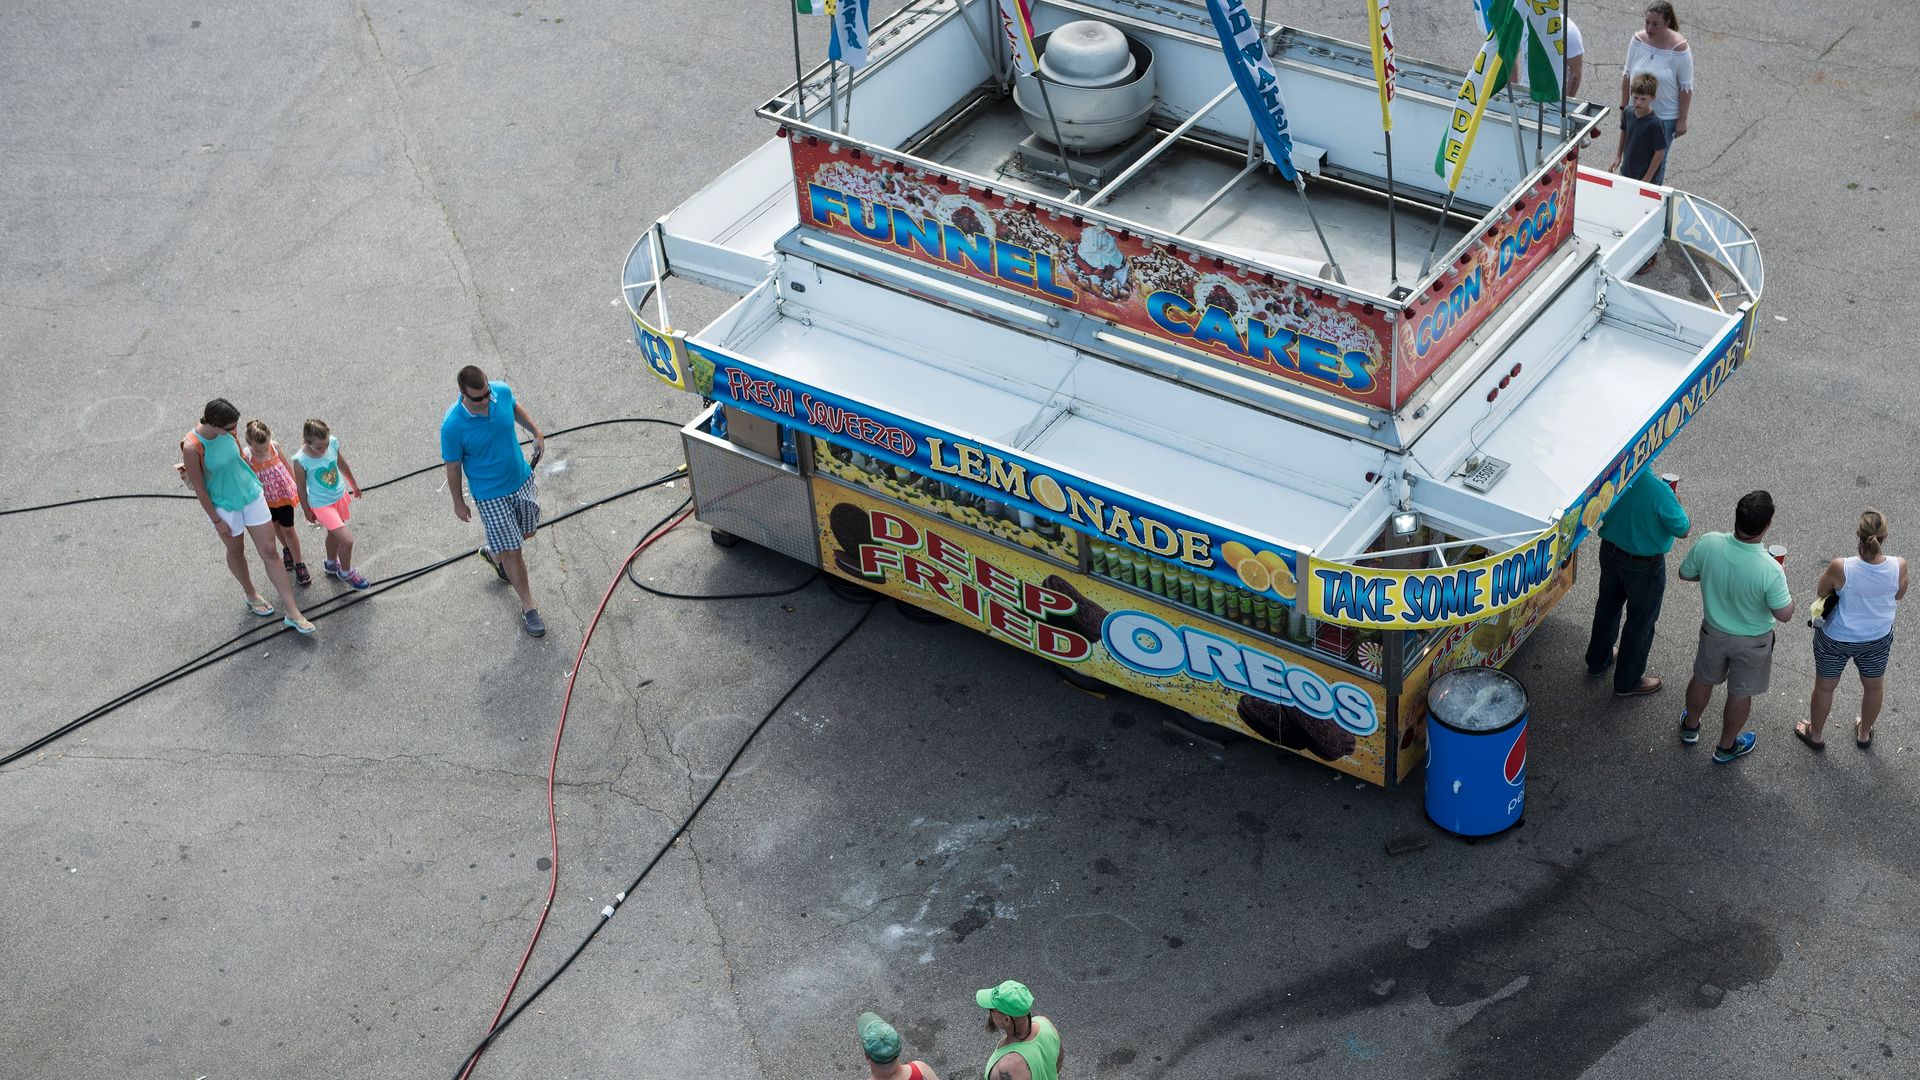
{"x":1380,"y":25}
{"x":849,"y":41}
{"x":1253,"y":73}
{"x":1488,"y":75}
{"x":813,"y":7}
{"x":1546,"y":47}
{"x":1016,"y":22}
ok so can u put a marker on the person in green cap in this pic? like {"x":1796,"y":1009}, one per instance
{"x":1029,"y":1045}
{"x":881,"y":1044}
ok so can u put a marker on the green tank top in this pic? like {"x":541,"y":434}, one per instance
{"x":1041,"y":1051}
{"x":230,"y":480}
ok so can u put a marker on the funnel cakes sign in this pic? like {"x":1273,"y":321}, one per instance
{"x":1263,"y":324}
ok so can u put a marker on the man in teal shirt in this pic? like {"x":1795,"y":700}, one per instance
{"x":1639,"y":530}
{"x":1744,"y":593}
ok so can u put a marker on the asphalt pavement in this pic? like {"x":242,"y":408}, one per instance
{"x":323,"y":858}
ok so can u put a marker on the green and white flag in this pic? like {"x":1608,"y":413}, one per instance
{"x":813,"y":7}
{"x":1546,"y":46}
{"x":1485,"y":79}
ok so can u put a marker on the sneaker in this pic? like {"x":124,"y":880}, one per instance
{"x":1742,"y":744}
{"x":330,"y":568}
{"x":286,"y":557}
{"x":497,"y":568}
{"x":1688,"y":735}
{"x":356,"y":579}
{"x":533,"y":624}
{"x":301,"y":574}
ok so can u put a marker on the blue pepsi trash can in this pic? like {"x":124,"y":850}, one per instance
{"x":1476,"y":751}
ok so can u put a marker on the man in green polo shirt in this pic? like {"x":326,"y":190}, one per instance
{"x":1744,"y":593}
{"x":1639,"y":530}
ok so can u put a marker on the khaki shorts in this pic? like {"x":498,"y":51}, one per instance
{"x":1741,"y":661}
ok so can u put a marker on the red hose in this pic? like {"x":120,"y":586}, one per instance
{"x":553,"y":766}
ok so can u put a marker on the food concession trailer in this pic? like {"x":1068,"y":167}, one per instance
{"x":1144,"y":410}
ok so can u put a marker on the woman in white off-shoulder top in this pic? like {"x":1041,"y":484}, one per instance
{"x":1659,"y":50}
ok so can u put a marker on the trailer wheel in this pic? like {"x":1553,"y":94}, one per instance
{"x":850,"y":592}
{"x":722,"y":539}
{"x":916,"y":614}
{"x":1086,"y":684}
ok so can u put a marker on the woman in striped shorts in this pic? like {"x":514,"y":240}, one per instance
{"x":1859,"y":628}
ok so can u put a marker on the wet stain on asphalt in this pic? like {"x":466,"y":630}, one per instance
{"x":975,"y":917}
{"x":1579,"y":954}
{"x":923,"y":1034}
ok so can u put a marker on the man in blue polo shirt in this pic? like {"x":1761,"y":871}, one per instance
{"x":477,"y":442}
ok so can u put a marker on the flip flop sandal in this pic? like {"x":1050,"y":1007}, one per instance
{"x":1864,"y":744}
{"x":260,"y":607}
{"x":1800,"y":733}
{"x":303,"y":627}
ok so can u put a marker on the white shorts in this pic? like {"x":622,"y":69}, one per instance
{"x":237,"y":522}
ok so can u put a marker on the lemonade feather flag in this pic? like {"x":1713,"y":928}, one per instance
{"x":1380,"y":25}
{"x":1016,"y":23}
{"x":1483,"y":80}
{"x":1253,"y":73}
{"x":1546,"y":47}
{"x":849,"y":41}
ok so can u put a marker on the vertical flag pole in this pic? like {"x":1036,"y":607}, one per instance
{"x":1380,"y":34}
{"x":1440,"y":227}
{"x":833,"y":95}
{"x":1300,"y":185}
{"x":1016,"y":25}
{"x":799,"y":79}
{"x":1566,"y":8}
{"x":1058,"y":142}
{"x":1393,"y":218}
{"x":846,"y":115}
{"x":1513,"y":117}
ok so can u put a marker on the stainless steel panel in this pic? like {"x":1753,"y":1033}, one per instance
{"x":752,"y":497}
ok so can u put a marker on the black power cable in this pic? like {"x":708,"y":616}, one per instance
{"x":85,"y":500}
{"x":607,"y":913}
{"x":646,"y":588}
{"x":246,"y":639}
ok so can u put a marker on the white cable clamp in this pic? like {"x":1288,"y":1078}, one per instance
{"x":607,"y":912}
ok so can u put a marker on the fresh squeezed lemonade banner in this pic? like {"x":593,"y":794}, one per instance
{"x":1703,"y":382}
{"x":1104,"y":631}
{"x":1263,"y":324}
{"x":1445,"y":315}
{"x":1422,"y":599}
{"x":997,"y":474}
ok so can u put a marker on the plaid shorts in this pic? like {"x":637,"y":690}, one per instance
{"x":510,"y":518}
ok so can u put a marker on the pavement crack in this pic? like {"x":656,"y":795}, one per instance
{"x":457,"y":253}
{"x":726,"y":960}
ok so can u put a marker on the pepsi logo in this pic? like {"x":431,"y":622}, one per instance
{"x":1515,"y":768}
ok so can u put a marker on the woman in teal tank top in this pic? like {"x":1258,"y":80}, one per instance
{"x":230,"y":494}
